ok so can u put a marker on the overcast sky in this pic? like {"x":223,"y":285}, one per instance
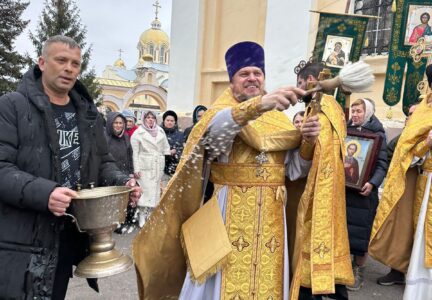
{"x":111,"y":25}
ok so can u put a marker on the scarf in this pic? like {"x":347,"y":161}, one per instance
{"x":151,"y":130}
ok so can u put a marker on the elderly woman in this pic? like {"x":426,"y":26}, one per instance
{"x":149,"y":145}
{"x":362,"y":205}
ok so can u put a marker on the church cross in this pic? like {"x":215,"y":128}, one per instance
{"x":157,"y":6}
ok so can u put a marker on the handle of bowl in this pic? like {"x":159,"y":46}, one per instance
{"x":74,"y":221}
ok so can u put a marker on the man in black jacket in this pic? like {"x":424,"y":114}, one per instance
{"x":51,"y":140}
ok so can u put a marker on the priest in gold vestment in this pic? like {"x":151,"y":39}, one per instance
{"x":321,"y":259}
{"x":402,"y":231}
{"x":246,"y":146}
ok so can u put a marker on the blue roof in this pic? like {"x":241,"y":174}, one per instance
{"x":125,"y":74}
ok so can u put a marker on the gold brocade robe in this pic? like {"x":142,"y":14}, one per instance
{"x":394,"y":225}
{"x":254,"y":212}
{"x":321,"y":256}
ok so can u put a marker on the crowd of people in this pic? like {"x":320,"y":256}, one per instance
{"x":277,"y":184}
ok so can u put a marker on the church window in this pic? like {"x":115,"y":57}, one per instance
{"x":378,"y":31}
{"x":151,"y":49}
{"x":162,"y":54}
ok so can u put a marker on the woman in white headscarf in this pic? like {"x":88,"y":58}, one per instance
{"x":362,"y":205}
{"x":149,"y":145}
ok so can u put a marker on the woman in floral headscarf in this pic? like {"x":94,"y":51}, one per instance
{"x":149,"y":145}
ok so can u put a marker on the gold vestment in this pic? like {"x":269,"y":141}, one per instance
{"x":321,"y":256}
{"x":396,"y":218}
{"x":254,"y":212}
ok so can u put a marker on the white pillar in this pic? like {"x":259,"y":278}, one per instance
{"x":286,"y":41}
{"x":184,"y":54}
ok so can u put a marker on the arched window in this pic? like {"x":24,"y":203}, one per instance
{"x":162,"y":54}
{"x":151,"y":49}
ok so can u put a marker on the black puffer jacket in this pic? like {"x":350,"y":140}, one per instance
{"x":29,"y":171}
{"x":361,"y":210}
{"x":175,"y":140}
{"x":119,"y":146}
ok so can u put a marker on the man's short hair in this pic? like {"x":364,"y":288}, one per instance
{"x":311,"y":68}
{"x":338,"y":43}
{"x":58,"y":39}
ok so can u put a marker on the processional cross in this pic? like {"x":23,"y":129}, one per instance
{"x":422,"y":49}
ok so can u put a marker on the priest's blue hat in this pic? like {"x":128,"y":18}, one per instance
{"x":244,"y":54}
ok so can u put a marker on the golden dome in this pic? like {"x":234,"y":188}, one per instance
{"x":119,"y":63}
{"x":147,"y":57}
{"x":154,"y":35}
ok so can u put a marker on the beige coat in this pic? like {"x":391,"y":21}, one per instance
{"x":149,"y":160}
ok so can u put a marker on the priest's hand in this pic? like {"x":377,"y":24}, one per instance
{"x":280,"y":99}
{"x":311,"y":129}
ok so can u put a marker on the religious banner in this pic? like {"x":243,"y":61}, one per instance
{"x":411,"y":22}
{"x":339,"y":41}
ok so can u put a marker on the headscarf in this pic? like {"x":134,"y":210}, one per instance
{"x":153,"y":130}
{"x":369,"y":110}
{"x":197,"y":109}
{"x":111,"y":116}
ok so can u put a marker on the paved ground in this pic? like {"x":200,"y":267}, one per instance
{"x":123,"y":286}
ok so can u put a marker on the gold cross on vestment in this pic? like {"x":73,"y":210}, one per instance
{"x":321,"y":250}
{"x":273,"y":244}
{"x":240,"y":244}
{"x":327,"y":171}
{"x":262,"y":172}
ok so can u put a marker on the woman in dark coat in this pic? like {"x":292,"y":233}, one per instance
{"x":121,"y":149}
{"x":362,"y":205}
{"x":175,"y":140}
{"x":118,"y":142}
{"x":196,"y":116}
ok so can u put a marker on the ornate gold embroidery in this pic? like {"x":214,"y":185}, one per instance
{"x":414,"y":133}
{"x":259,"y":273}
{"x":321,"y":257}
{"x":248,"y":174}
{"x":306,"y":150}
{"x":237,"y":297}
{"x":327,"y":171}
{"x":244,"y":189}
{"x":262,"y":172}
{"x":246,"y":111}
{"x":272,"y":244}
{"x":254,"y":215}
{"x":321,"y":250}
{"x":240,"y":244}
